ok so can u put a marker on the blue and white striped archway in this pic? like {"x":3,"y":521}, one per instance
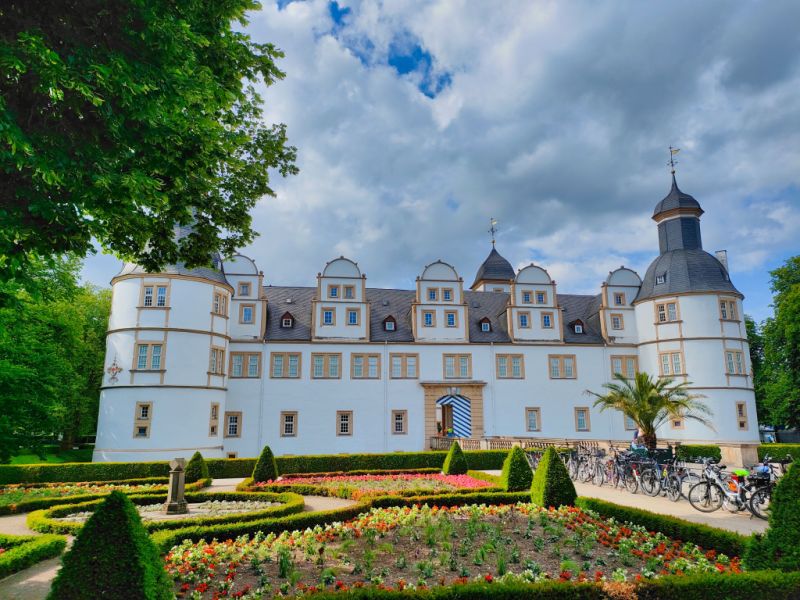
{"x":462,"y":413}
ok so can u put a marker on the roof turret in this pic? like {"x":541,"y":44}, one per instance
{"x":494,"y":268}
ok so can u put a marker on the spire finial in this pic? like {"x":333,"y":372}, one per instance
{"x":672,"y":162}
{"x":492,"y":228}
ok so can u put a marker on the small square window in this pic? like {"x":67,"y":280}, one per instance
{"x":244,"y":289}
{"x":231,"y":455}
{"x":486,"y":326}
{"x":578,"y":328}
{"x":287,"y":323}
{"x":661,"y":279}
{"x":349,"y":292}
{"x":352,"y":317}
{"x":619,"y":299}
{"x":141,"y":431}
{"x":389,"y":325}
{"x":327,"y":317}
{"x":526,"y":297}
{"x":447,"y":295}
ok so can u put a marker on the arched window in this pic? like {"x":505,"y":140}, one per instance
{"x":287,"y":321}
{"x":389,"y":324}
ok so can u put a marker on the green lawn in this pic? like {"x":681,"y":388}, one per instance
{"x":54,"y":455}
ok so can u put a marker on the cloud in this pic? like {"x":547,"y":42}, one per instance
{"x":416,"y":122}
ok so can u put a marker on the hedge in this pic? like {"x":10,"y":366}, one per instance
{"x":778,"y":451}
{"x":455,"y":463}
{"x":517,"y":474}
{"x":23,"y":551}
{"x":44,"y":520}
{"x":429,"y":470}
{"x":690,"y":452}
{"x":721,"y":540}
{"x":318,"y":490}
{"x":764,"y":585}
{"x":196,"y":469}
{"x":222,"y":468}
{"x":266,"y":468}
{"x":551,"y":483}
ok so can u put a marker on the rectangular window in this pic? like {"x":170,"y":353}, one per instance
{"x":734,"y":362}
{"x":247,"y":313}
{"x":328,"y":316}
{"x":541,"y":297}
{"x":526,"y":298}
{"x":457,"y":366}
{"x":161,"y":295}
{"x":727,"y":309}
{"x":582,"y":419}
{"x":433,"y":294}
{"x":510,"y":366}
{"x":219,"y":306}
{"x":447,"y":294}
{"x":148,"y":296}
{"x":404,"y":366}
{"x":671,"y":363}
{"x":619,"y":299}
{"x":213,"y":420}
{"x":326,"y":366}
{"x":617,"y":321}
{"x":143,"y":411}
{"x":244,"y":288}
{"x":349,"y":292}
{"x":630,"y":424}
{"x":547,"y":320}
{"x":676,"y":423}
{"x":365,"y":366}
{"x":533,"y":419}
{"x":233,"y":424}
{"x":451,"y":317}
{"x":486,"y":326}
{"x":154,"y":295}
{"x":333,"y":291}
{"x":562,"y":366}
{"x":246,"y":364}
{"x":285,"y":365}
{"x":216,"y":361}
{"x":289,"y":424}
{"x":353,"y":316}
{"x":627,"y":366}
{"x":344,"y":422}
{"x":666,"y":312}
{"x":399,"y":422}
{"x":148,"y":357}
{"x":428,"y":318}
{"x":524,"y":320}
{"x":741,"y":415}
{"x":142,"y":431}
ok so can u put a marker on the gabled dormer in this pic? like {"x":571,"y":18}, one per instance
{"x":248,"y":305}
{"x":340,"y":308}
{"x":617,"y":315}
{"x":533,"y":312}
{"x":287,"y":320}
{"x":439,"y":312}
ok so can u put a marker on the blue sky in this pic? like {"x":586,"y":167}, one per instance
{"x":417,"y":121}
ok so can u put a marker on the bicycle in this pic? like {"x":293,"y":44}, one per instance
{"x":713,"y":491}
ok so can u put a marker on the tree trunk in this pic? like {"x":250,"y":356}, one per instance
{"x":650,"y":440}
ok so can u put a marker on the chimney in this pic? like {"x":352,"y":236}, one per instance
{"x":722,"y":256}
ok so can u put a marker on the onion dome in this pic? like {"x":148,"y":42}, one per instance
{"x":495,"y":269}
{"x":676,"y":199}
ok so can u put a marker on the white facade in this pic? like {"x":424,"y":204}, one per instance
{"x":215,"y":360}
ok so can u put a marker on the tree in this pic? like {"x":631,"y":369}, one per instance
{"x":122,"y":119}
{"x":650,"y":403}
{"x":516,"y":475}
{"x":755,"y":340}
{"x":551,"y":483}
{"x":266,"y":468}
{"x":455,"y":463}
{"x":196,"y":469}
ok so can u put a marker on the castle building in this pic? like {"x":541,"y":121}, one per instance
{"x":212,"y":359}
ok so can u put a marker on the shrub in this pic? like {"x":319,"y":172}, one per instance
{"x":779,"y":547}
{"x":779,"y":451}
{"x":266,"y":469}
{"x":112,"y":557}
{"x":455,"y":463}
{"x":551,"y":483}
{"x":691,"y":452}
{"x":196,"y":468}
{"x":517,"y":475}
{"x":23,"y":551}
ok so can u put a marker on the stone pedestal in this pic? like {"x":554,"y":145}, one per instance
{"x":176,"y":503}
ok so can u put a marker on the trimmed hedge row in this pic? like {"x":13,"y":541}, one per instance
{"x":318,"y":490}
{"x":691,"y":452}
{"x":366,"y":472}
{"x":44,"y":520}
{"x":778,"y":451}
{"x":721,"y":540}
{"x":42,"y":503}
{"x":23,"y":551}
{"x":243,"y":467}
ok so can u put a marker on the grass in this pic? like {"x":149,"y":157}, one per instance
{"x":53,"y":456}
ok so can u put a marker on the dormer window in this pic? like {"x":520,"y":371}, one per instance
{"x":486,"y":324}
{"x":577,"y":326}
{"x":661,"y":279}
{"x":287,"y":321}
{"x":389,"y":324}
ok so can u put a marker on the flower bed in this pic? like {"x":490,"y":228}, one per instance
{"x":415,"y":547}
{"x":357,"y":487}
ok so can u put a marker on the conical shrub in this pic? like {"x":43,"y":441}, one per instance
{"x":551,"y":483}
{"x":455,"y":463}
{"x":196,"y":468}
{"x":112,"y":557}
{"x":517,"y":475}
{"x":266,"y":468}
{"x":779,"y":547}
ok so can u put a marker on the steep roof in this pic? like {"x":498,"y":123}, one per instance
{"x":494,"y":268}
{"x":676,"y":199}
{"x":178,"y":269}
{"x":686,"y":270}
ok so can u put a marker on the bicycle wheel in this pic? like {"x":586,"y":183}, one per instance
{"x":584,"y":472}
{"x":706,"y":497}
{"x":630,"y":482}
{"x":650,"y":482}
{"x":688,"y":481}
{"x":599,"y":475}
{"x":673,"y":487}
{"x":759,"y":502}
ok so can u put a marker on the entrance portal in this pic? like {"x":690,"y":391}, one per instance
{"x":454,"y":416}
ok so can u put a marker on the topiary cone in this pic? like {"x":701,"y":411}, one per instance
{"x":455,"y":463}
{"x":196,"y":468}
{"x":266,"y":468}
{"x":551,"y":483}
{"x":112,"y":557}
{"x":517,"y":475}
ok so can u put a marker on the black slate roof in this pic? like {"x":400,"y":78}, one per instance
{"x":494,"y":268}
{"x":397,"y":303}
{"x":676,"y":199}
{"x":178,"y":269}
{"x":686,"y":270}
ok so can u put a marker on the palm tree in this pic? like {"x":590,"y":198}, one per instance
{"x":652,"y":402}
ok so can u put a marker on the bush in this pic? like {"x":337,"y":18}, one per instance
{"x":779,"y":451}
{"x":455,"y":463}
{"x":705,"y":536}
{"x":764,"y":585}
{"x":23,"y":551}
{"x":228,"y":468}
{"x":112,"y":557}
{"x":266,"y":469}
{"x":551,"y":483}
{"x":517,"y":474}
{"x":779,"y":547}
{"x":196,"y":469}
{"x":690,"y":452}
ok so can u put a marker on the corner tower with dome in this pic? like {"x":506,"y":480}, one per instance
{"x":224,"y":360}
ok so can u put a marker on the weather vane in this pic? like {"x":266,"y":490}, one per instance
{"x":672,"y":162}
{"x":492,"y":228}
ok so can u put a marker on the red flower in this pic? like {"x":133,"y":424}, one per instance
{"x":488,"y":578}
